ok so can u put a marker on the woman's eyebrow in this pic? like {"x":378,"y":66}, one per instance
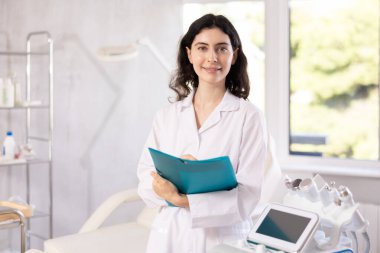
{"x":223,"y":43}
{"x":201,"y":43}
{"x":217,"y":44}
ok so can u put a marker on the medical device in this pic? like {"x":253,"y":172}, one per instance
{"x":293,"y":226}
{"x":340,"y":219}
{"x":284,"y":228}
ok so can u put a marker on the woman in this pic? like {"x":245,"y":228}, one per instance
{"x":211,"y":118}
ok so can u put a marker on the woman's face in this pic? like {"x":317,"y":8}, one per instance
{"x":211,"y":55}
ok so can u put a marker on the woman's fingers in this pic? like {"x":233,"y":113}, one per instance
{"x":163,"y":187}
{"x":155,"y":175}
{"x":188,"y":157}
{"x":158,"y":179}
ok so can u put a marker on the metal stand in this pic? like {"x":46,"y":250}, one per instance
{"x":29,"y":138}
{"x":21,"y":223}
{"x":28,"y":106}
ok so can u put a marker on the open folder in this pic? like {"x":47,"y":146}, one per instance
{"x":197,"y":176}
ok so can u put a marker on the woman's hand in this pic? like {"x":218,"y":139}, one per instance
{"x":166,"y":190}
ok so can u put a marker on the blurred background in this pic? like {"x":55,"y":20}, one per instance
{"x":313,"y":66}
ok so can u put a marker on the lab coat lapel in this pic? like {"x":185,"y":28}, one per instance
{"x":228,"y":103}
{"x":187,"y":119}
{"x":212,"y":120}
{"x":189,"y":122}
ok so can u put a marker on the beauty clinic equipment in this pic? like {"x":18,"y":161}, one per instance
{"x":315,"y":217}
{"x":341,"y":223}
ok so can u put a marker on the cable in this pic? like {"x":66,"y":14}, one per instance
{"x":354,"y":240}
{"x":367,"y":242}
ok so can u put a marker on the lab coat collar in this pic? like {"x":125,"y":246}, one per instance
{"x":228,"y":103}
{"x":188,"y":101}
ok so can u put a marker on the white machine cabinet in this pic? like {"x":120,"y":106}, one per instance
{"x":33,"y":119}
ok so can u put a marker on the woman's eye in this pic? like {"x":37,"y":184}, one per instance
{"x":202,"y":48}
{"x":223,"y":49}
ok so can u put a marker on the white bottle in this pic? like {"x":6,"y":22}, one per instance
{"x":8,"y":93}
{"x":17,"y":90}
{"x":9,"y":147}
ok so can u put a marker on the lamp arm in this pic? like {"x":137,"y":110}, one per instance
{"x":146,"y":42}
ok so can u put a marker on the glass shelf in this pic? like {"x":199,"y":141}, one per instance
{"x":23,"y":162}
{"x":25,"y":107}
{"x":20,"y":53}
{"x":13,"y":223}
{"x":9,"y":224}
{"x":32,"y":234}
{"x":39,"y":214}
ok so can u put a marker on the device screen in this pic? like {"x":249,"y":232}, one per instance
{"x":283,"y":226}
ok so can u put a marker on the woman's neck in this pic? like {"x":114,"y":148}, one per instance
{"x":205,"y":100}
{"x":206,"y":96}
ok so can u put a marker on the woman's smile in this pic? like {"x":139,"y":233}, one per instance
{"x":212,"y":69}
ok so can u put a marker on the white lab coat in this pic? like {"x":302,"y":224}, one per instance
{"x":235,"y":128}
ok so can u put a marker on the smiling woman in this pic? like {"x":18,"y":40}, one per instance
{"x":211,"y":118}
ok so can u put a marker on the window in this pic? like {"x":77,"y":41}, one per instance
{"x":334,"y":78}
{"x":304,"y":142}
{"x":248,"y":19}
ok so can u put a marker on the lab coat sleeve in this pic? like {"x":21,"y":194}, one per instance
{"x":225,"y":208}
{"x":146,"y":166}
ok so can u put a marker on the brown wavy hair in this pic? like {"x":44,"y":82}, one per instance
{"x":237,"y":81}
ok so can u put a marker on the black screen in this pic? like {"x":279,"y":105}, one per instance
{"x":283,"y":226}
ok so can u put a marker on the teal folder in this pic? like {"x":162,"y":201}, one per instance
{"x":198,"y":176}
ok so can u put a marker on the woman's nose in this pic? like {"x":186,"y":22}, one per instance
{"x":212,"y":57}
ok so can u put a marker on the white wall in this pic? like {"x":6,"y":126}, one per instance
{"x":102,"y":111}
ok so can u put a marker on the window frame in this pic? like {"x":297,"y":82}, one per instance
{"x":277,"y":64}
